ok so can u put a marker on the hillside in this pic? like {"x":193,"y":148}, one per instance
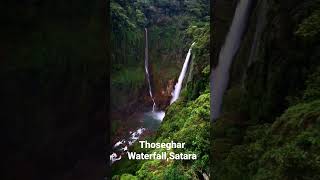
{"x":269,"y":124}
{"x":172,"y":27}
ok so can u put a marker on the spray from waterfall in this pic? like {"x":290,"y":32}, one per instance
{"x":220,"y":75}
{"x":121,"y":147}
{"x":177,"y":87}
{"x":146,"y":66}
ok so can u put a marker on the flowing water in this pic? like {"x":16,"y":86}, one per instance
{"x":177,"y":87}
{"x":152,"y":119}
{"x":146,"y":66}
{"x":154,"y":115}
{"x":120,"y":147}
{"x":220,"y":75}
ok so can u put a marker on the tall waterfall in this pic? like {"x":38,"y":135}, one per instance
{"x":146,"y":66}
{"x":121,"y":147}
{"x":177,"y":87}
{"x":220,"y":75}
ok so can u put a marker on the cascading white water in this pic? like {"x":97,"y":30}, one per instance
{"x":177,"y":87}
{"x":220,"y":75}
{"x":146,"y":66}
{"x":122,"y":146}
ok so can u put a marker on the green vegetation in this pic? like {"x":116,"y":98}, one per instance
{"x":125,"y":177}
{"x":185,"y":122}
{"x":127,"y":44}
{"x":310,"y":27}
{"x":286,"y":149}
{"x":167,"y":22}
{"x":172,"y":27}
{"x":269,"y":128}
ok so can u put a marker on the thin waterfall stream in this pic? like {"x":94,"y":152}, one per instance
{"x":146,"y":67}
{"x":157,"y":115}
{"x":178,"y":86}
{"x":220,"y":75}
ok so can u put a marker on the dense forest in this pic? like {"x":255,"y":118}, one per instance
{"x":269,"y":125}
{"x":54,"y":88}
{"x":172,"y":27}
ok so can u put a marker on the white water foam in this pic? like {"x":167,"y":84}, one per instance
{"x":133,"y":137}
{"x":177,"y":87}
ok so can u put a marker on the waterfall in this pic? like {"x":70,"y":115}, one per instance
{"x":146,"y":66}
{"x":159,"y":115}
{"x":177,"y":87}
{"x":220,"y":75}
{"x":121,"y":147}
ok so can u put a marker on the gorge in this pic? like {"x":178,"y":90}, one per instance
{"x":171,"y":92}
{"x":151,"y":120}
{"x":238,"y":85}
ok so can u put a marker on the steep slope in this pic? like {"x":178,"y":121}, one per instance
{"x":189,"y":115}
{"x":166,"y":22}
{"x":185,"y":119}
{"x":266,"y":113}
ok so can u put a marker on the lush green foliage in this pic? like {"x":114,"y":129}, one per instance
{"x":310,"y":27}
{"x":287,"y":149}
{"x":127,"y":43}
{"x":253,"y":139}
{"x":167,"y":22}
{"x":125,"y":177}
{"x":187,"y":120}
{"x":199,"y":78}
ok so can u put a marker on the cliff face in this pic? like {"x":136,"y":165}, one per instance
{"x":271,"y":74}
{"x":272,"y":62}
{"x":166,"y":49}
{"x":172,"y":32}
{"x":168,"y":24}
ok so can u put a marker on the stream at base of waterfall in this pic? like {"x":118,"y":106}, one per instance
{"x":150,"y":120}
